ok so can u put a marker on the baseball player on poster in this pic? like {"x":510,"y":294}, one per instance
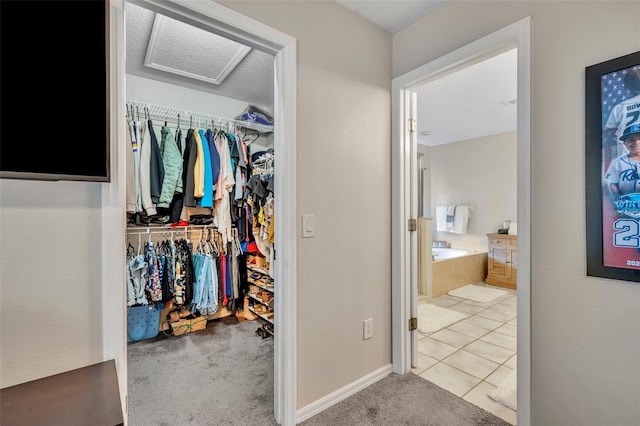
{"x":621,"y":182}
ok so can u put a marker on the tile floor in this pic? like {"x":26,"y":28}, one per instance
{"x":469,"y":358}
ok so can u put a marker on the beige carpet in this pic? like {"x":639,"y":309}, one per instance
{"x":477,"y":293}
{"x":404,"y":400}
{"x":222,"y":375}
{"x":432,"y":318}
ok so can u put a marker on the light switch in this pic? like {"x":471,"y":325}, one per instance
{"x":308,"y":226}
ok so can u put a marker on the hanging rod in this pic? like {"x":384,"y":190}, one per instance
{"x":160,"y":112}
{"x":167,"y":230}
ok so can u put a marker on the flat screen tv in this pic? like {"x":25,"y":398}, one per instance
{"x":54,"y":90}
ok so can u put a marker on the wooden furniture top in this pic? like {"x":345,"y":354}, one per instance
{"x":85,"y":396}
{"x":507,"y":236}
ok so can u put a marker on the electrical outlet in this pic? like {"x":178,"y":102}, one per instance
{"x":367,"y":329}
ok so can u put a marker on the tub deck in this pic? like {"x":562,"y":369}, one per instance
{"x":456,"y":272}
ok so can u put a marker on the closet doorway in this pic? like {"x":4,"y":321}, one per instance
{"x":405,"y":271}
{"x":223,"y":22}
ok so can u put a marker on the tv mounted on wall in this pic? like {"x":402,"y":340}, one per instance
{"x":54,"y":81}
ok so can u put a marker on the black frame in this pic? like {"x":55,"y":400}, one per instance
{"x":594,"y":148}
{"x":64,"y":103}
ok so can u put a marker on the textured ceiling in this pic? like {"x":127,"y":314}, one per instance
{"x":187,"y":56}
{"x":470,"y":103}
{"x":211,"y":57}
{"x":476,"y":101}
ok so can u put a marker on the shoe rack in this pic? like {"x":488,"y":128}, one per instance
{"x":261,"y":292}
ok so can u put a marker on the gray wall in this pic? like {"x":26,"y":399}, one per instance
{"x":586,"y":350}
{"x":585,"y":331}
{"x":50,"y":276}
{"x":344,"y":178}
{"x":480,"y":172}
{"x":51,"y":241}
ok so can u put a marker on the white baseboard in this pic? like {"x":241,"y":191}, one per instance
{"x":333,"y":398}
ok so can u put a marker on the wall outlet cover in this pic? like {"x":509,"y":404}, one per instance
{"x":367,"y":329}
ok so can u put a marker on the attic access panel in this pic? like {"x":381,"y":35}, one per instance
{"x":173,"y":44}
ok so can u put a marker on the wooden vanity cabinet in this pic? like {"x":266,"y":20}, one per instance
{"x":502,"y":260}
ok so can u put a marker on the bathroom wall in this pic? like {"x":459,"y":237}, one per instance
{"x":426,"y":179}
{"x":480,"y":172}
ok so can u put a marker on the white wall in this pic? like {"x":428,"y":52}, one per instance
{"x":480,"y":172}
{"x":50,"y":277}
{"x":160,"y":93}
{"x":155,"y":92}
{"x":344,"y":175}
{"x":585,"y":347}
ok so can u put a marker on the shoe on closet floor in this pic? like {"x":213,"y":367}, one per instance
{"x":160,"y":220}
{"x":261,"y":332}
{"x":260,"y":309}
{"x":246,"y":314}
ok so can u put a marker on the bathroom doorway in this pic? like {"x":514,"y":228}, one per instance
{"x":473,"y":239}
{"x":467,"y":127}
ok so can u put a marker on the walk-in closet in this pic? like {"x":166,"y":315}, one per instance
{"x":200,"y":288}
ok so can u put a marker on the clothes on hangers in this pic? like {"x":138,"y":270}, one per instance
{"x":153,"y":284}
{"x":214,"y":157}
{"x":145,"y":173}
{"x":224,"y":186}
{"x":205,"y":299}
{"x":207,"y":195}
{"x":134,"y":201}
{"x":172,"y":162}
{"x":198,"y":168}
{"x":136,"y":272}
{"x":156,"y":275}
{"x":166,"y":179}
{"x":156,"y":167}
{"x":189,"y":162}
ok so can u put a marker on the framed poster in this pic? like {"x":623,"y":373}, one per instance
{"x":613,"y":168}
{"x":71,"y":93}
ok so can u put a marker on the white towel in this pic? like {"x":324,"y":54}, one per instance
{"x":451,"y":211}
{"x":506,"y":392}
{"x":441,"y":218}
{"x":460,"y":220}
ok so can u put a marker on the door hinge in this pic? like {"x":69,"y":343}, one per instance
{"x":413,"y":324}
{"x":413,"y":125}
{"x":413,"y":225}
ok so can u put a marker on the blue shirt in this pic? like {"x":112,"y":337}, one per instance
{"x":207,"y":198}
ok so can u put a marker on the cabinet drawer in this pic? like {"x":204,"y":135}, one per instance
{"x":504,"y":242}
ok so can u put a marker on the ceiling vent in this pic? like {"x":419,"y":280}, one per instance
{"x":173,"y":44}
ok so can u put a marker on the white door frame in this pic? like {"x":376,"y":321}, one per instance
{"x":213,"y":17}
{"x":514,"y":35}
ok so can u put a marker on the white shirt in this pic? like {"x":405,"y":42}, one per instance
{"x":624,"y":114}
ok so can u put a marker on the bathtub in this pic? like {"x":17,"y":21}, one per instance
{"x":453,"y":268}
{"x":439,"y":253}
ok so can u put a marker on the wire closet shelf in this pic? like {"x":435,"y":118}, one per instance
{"x":184,"y":117}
